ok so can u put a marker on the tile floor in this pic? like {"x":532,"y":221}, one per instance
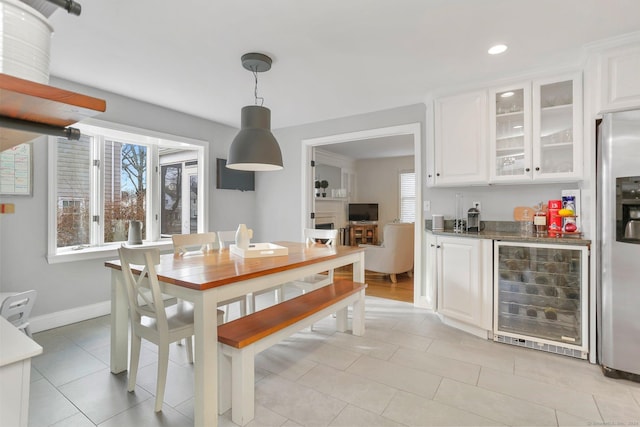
{"x":408,"y":370}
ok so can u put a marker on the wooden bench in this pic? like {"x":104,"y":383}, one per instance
{"x":240,"y":340}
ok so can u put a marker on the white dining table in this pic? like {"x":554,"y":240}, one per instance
{"x":204,"y":278}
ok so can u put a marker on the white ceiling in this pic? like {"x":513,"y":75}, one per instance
{"x":331,"y":58}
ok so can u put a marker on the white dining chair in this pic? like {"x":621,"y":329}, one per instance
{"x":226,"y":238}
{"x":16,"y":308}
{"x":184,"y":244}
{"x":149,"y":317}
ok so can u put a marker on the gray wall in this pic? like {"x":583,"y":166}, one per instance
{"x":377,"y":181}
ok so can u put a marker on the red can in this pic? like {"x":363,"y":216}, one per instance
{"x":555,"y":204}
{"x":555,"y":222}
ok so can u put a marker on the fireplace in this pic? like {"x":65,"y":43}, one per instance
{"x":324,"y":226}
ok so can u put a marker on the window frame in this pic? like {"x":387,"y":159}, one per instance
{"x":400,"y":195}
{"x":129,"y":134}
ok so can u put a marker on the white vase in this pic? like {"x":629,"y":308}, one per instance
{"x":135,"y":232}
{"x":243,"y":236}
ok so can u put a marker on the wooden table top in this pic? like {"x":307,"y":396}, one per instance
{"x":216,"y":268}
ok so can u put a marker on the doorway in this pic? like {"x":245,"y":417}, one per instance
{"x":308,"y":191}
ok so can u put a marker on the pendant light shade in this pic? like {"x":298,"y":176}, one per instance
{"x":255,"y":148}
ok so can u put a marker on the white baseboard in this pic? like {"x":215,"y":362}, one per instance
{"x":473,"y":330}
{"x":67,"y":317}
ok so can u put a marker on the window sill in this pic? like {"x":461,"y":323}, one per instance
{"x":98,"y":252}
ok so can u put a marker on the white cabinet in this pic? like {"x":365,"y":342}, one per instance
{"x":460,"y":145}
{"x":15,"y":369}
{"x":619,"y":70}
{"x":461,"y":267}
{"x":536,"y":131}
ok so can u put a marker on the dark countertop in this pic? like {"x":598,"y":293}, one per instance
{"x":508,"y":231}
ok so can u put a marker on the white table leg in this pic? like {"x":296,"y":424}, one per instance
{"x":119,"y":323}
{"x":341,"y":320}
{"x":358,"y":307}
{"x":224,"y":380}
{"x":243,"y":384}
{"x":358,"y":315}
{"x":206,"y":358}
{"x":358,"y":269}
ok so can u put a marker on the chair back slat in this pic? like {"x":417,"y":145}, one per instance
{"x":225,"y":238}
{"x":17,"y":308}
{"x":183,"y":243}
{"x":143,"y":288}
{"x":328,"y":237}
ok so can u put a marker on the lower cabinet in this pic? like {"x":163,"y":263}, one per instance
{"x":461,"y":270}
{"x":363,"y":233}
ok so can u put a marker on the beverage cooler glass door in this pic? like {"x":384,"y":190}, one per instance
{"x":541,"y":297}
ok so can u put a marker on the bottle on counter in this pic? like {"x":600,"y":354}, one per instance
{"x":526,"y":225}
{"x":540,"y":220}
{"x":569,"y":221}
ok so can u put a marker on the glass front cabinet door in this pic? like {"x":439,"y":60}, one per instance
{"x":536,"y":131}
{"x":510,"y":133}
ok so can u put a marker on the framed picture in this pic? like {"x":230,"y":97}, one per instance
{"x":16,"y":171}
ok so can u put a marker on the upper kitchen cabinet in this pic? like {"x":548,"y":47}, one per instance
{"x":619,"y":69}
{"x":24,"y":103}
{"x":460,"y":145}
{"x":536,"y":131}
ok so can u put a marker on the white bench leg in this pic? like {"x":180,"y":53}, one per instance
{"x":224,"y":380}
{"x":341,"y":320}
{"x":243,"y":385}
{"x":358,"y":315}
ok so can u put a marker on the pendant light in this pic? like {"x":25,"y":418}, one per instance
{"x":255,"y":148}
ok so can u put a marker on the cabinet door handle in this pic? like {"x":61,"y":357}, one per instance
{"x":537,"y":168}
{"x":438,"y":174}
{"x":429,"y":175}
{"x":438,"y":247}
{"x":528,"y":169}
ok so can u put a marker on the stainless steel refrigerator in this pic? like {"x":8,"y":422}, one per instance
{"x":619,"y":244}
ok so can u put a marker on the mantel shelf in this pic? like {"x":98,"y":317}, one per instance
{"x":35,"y":102}
{"x":332,"y":199}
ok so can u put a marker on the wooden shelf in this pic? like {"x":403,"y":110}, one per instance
{"x":363,"y":233}
{"x":35,"y":102}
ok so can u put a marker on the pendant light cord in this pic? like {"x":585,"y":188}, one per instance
{"x":255,"y":91}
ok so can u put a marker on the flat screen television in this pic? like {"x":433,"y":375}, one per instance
{"x":363,"y":211}
{"x":231,"y":179}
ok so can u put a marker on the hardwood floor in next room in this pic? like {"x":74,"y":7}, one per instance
{"x":380,"y":285}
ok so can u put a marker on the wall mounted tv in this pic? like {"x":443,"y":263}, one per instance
{"x":363,"y":211}
{"x":231,"y":179}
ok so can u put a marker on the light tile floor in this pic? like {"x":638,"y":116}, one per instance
{"x":408,"y":370}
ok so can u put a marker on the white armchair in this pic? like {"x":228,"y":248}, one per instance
{"x":395,"y":255}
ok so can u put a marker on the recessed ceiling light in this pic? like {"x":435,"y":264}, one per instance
{"x":497,"y":49}
{"x":506,"y":94}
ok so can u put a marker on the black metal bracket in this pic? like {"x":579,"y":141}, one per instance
{"x":69,"y":5}
{"x":34,"y":127}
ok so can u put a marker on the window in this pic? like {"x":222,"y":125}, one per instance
{"x":407,"y":196}
{"x":112,"y":176}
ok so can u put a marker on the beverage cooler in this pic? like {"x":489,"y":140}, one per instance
{"x":541,"y":296}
